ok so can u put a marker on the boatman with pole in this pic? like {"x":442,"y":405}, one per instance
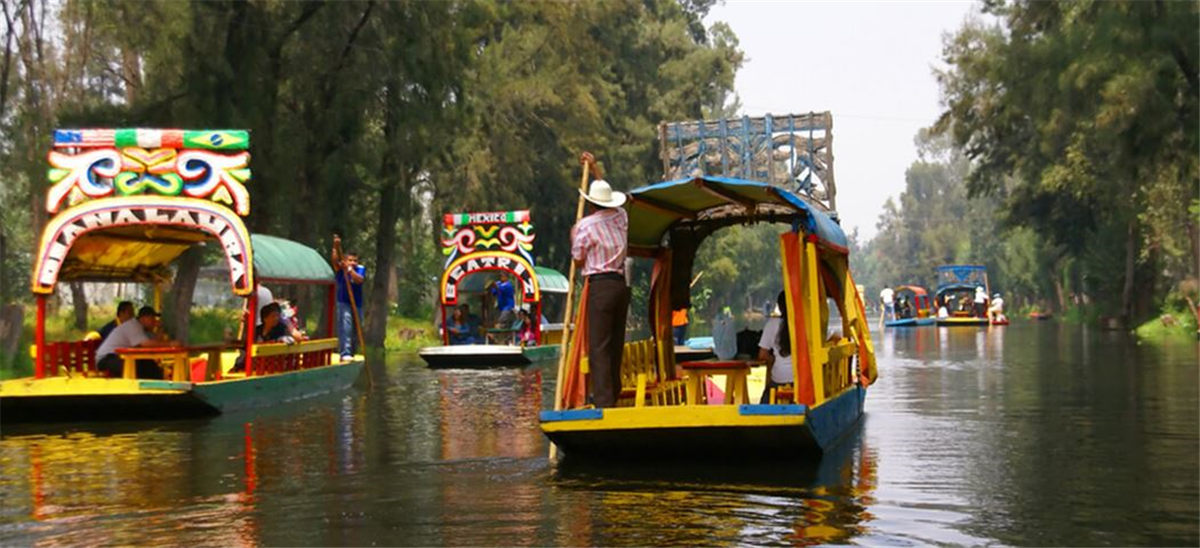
{"x":599,"y":243}
{"x":349,"y":277}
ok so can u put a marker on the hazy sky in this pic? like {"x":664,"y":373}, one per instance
{"x":870,"y":64}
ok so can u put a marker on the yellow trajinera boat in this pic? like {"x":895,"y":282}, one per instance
{"x":125,"y":204}
{"x":662,"y":408}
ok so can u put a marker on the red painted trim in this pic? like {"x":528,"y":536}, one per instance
{"x":297,"y":281}
{"x":40,"y":338}
{"x":250,"y":319}
{"x":445,"y":333}
{"x":330,"y":306}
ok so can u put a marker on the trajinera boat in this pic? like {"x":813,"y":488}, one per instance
{"x":956,"y":291}
{"x":918,"y":310}
{"x":125,"y":204}
{"x":661,"y":411}
{"x":478,"y":246}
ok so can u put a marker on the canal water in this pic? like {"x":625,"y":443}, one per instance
{"x":1034,"y":434}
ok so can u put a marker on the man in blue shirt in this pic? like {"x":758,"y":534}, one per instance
{"x":347,"y":272}
{"x":502,"y":291}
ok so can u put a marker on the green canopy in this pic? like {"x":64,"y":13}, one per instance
{"x":550,"y":280}
{"x":280,"y":260}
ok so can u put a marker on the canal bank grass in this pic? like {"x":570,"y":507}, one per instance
{"x":409,"y":334}
{"x":1171,"y":325}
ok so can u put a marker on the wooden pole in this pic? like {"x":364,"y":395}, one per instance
{"x":354,"y":313}
{"x":566,"y":341}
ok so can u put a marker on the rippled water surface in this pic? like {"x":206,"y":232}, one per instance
{"x":1034,"y":434}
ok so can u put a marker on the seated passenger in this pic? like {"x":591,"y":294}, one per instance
{"x":459,"y":328}
{"x":131,"y":334}
{"x":272,"y":330}
{"x":942,"y":312}
{"x":775,"y":348}
{"x":526,"y":335}
{"x":124,"y":314}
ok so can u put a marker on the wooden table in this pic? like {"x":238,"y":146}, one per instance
{"x":735,"y":371}
{"x":174,"y":356}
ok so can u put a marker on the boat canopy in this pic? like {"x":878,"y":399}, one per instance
{"x":915,"y":289}
{"x":656,"y":209}
{"x":549,"y":281}
{"x":280,"y":260}
{"x":961,"y":276}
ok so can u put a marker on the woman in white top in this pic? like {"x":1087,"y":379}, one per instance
{"x":775,"y":348}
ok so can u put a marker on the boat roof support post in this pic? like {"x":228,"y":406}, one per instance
{"x":816,"y":339}
{"x":251,"y":316}
{"x":330,"y":306}
{"x":791,"y":251}
{"x":40,"y":338}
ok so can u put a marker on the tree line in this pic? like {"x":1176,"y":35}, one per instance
{"x":1066,"y":159}
{"x":367,"y":119}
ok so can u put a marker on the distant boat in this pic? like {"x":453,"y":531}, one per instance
{"x":1041,"y":315}
{"x":477,"y":245}
{"x":956,"y":291}
{"x":921,"y":313}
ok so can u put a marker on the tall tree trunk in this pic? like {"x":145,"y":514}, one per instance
{"x":3,"y":266}
{"x":1130,"y":262}
{"x":80,"y":305}
{"x":385,"y":250}
{"x":1193,"y":232}
{"x":179,"y":303}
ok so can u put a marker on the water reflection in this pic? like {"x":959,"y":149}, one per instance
{"x":784,"y":502}
{"x":1031,"y":434}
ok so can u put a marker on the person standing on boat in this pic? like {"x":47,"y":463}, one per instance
{"x":131,"y":335}
{"x":502,"y":291}
{"x":775,"y":349}
{"x":980,"y":302}
{"x":599,"y":243}
{"x":349,"y":278}
{"x":679,"y":325}
{"x":887,"y":299}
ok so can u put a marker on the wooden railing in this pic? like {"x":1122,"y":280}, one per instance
{"x":643,"y":376}
{"x":75,"y":357}
{"x":270,"y":358}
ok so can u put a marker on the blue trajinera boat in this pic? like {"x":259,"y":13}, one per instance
{"x":956,"y":289}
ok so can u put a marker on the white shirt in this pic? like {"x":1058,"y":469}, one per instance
{"x":997,"y":305}
{"x":886,"y":295}
{"x":264,"y":297}
{"x":943,"y":313}
{"x":980,"y":297}
{"x":127,"y":335}
{"x":781,"y":370}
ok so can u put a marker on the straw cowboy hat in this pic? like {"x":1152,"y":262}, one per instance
{"x":603,"y":195}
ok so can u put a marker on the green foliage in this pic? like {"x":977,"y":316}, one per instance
{"x":738,"y":267}
{"x":370,"y":119}
{"x":1081,"y":120}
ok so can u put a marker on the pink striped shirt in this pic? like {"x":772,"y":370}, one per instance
{"x":600,"y":240}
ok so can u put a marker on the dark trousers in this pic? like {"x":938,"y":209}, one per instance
{"x":680,"y":333}
{"x":607,"y":308}
{"x":146,"y":369}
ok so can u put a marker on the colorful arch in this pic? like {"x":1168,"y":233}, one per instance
{"x":466,"y":265}
{"x":222,"y":223}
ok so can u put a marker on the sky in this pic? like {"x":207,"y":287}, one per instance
{"x":869,"y":63}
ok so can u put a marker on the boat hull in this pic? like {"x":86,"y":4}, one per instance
{"x":962,"y":321}
{"x":703,"y":432}
{"x":910,"y":322}
{"x":87,"y":399}
{"x":485,"y":356}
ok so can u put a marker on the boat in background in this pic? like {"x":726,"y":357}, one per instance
{"x":124,"y":205}
{"x":921,"y":311}
{"x":957,"y":285}
{"x":478,"y":245}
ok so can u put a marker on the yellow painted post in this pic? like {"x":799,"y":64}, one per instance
{"x":816,"y":345}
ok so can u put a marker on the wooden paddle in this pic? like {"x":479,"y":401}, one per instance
{"x":340,"y":257}
{"x":588,"y":163}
